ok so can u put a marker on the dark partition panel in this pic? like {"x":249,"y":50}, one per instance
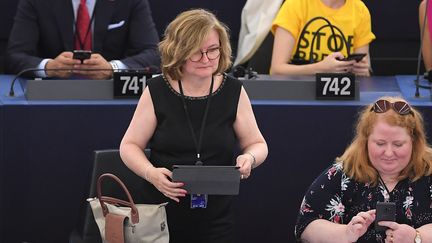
{"x":396,"y":26}
{"x":7,"y":13}
{"x":229,"y":12}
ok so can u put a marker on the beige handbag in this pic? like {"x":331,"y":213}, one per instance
{"x":120,"y":221}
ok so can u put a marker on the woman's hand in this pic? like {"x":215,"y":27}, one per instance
{"x":361,"y":68}
{"x":359,"y":225}
{"x":159,"y":177}
{"x":245,"y":163}
{"x":398,"y":233}
{"x":333,"y":64}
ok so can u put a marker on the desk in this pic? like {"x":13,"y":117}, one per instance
{"x":47,"y":155}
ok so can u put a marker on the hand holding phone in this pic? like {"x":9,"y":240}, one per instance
{"x":385,"y":211}
{"x":81,"y":55}
{"x":355,"y":56}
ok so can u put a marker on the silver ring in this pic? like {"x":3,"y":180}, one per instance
{"x":242,"y":177}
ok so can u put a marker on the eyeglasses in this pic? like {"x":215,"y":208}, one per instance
{"x":211,"y":54}
{"x":401,"y":107}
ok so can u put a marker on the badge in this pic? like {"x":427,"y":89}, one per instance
{"x":198,"y":200}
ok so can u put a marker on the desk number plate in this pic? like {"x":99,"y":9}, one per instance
{"x":335,"y":86}
{"x":130,"y":84}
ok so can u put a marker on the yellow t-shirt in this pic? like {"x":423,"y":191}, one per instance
{"x":352,"y":19}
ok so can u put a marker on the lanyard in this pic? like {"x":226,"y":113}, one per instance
{"x":385,"y":187}
{"x":203,"y":122}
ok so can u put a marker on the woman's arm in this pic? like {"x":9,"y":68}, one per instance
{"x":138,"y":134}
{"x":405,"y":233}
{"x":134,"y":142}
{"x":426,"y":40}
{"x":283,"y":46}
{"x":362,"y":68}
{"x":426,"y":232}
{"x":321,"y":230}
{"x":251,"y":141}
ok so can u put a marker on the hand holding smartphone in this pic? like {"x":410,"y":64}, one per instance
{"x":385,"y":211}
{"x":355,"y":56}
{"x":81,"y":55}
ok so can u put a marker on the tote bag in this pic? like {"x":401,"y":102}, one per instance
{"x":122,"y":221}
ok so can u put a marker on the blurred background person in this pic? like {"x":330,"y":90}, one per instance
{"x":425,"y":15}
{"x":388,"y":160}
{"x":120,"y":34}
{"x":296,"y":27}
{"x":193,"y":113}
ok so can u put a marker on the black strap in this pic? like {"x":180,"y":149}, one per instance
{"x":203,"y":122}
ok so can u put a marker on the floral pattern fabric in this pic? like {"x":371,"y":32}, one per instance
{"x":336,"y":197}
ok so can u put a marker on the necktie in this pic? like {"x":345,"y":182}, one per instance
{"x":83,"y":36}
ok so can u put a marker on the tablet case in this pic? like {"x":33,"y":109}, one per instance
{"x":212,"y":180}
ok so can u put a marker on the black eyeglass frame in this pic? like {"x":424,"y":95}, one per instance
{"x":206,"y":53}
{"x":400,"y":107}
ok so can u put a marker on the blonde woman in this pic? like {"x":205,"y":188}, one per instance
{"x":193,"y":114}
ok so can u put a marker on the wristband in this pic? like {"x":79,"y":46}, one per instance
{"x":253,"y":158}
{"x":145,"y":172}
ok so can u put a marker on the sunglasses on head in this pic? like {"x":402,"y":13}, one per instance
{"x":401,"y":107}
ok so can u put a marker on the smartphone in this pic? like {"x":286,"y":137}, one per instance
{"x":355,"y":56}
{"x":385,"y":211}
{"x":81,"y":54}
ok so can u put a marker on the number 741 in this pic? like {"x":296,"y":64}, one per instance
{"x":133,"y":83}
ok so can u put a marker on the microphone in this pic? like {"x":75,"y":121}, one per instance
{"x":417,"y":80}
{"x":152,"y":69}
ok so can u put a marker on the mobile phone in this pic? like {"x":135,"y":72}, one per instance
{"x":81,"y":54}
{"x":355,"y":56}
{"x":385,"y":211}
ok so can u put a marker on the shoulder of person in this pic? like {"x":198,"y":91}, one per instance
{"x":360,"y":6}
{"x":335,"y":169}
{"x":156,"y":81}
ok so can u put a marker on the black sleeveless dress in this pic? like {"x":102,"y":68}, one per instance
{"x":172,"y":143}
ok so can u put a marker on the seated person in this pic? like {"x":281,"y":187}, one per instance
{"x":121,"y":34}
{"x":426,"y":44}
{"x":388,"y":160}
{"x":319,"y":34}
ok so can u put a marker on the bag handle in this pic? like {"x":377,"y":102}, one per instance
{"x":111,"y":200}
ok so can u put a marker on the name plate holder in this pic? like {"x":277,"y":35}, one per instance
{"x":336,"y":86}
{"x":68,"y":89}
{"x":125,"y":84}
{"x":130,"y":84}
{"x":287,"y":87}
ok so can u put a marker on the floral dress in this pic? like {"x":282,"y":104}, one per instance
{"x":336,"y":197}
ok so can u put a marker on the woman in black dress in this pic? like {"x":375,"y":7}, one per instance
{"x":193,"y":113}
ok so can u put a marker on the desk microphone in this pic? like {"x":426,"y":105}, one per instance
{"x":417,"y":80}
{"x":152,"y":69}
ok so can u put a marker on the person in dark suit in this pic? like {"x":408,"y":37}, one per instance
{"x":123,"y":36}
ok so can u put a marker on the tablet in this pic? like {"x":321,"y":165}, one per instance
{"x":208,"y":179}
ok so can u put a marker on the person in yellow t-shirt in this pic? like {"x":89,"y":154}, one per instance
{"x":326,"y":30}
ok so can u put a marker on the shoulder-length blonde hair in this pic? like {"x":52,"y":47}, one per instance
{"x":355,"y":160}
{"x":183,"y":37}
